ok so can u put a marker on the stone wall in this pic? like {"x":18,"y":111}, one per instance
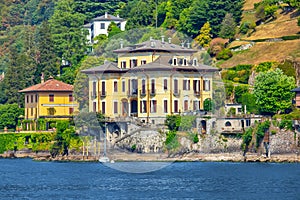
{"x":284,"y":141}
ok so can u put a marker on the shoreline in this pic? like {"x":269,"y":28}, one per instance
{"x":134,"y":157}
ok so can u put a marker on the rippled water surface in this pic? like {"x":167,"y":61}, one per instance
{"x":27,"y":179}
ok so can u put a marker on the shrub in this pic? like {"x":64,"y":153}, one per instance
{"x":173,"y":122}
{"x":288,"y":68}
{"x":224,"y":54}
{"x":171,"y":142}
{"x":244,"y":27}
{"x":187,"y":122}
{"x":288,"y":124}
{"x":263,"y":67}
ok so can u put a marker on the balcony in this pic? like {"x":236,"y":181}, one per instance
{"x":176,"y":92}
{"x":152,"y":92}
{"x":133,"y":93}
{"x":93,"y":95}
{"x":143,"y":92}
{"x":197,"y":93}
{"x":102,"y":93}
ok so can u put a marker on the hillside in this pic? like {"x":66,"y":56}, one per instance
{"x":273,"y":40}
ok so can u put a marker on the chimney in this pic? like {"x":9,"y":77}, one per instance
{"x":121,"y":44}
{"x":105,"y":16}
{"x":188,"y":45}
{"x":42,"y":78}
{"x":182,"y":44}
{"x":163,"y":39}
{"x":152,"y":42}
{"x":170,"y":40}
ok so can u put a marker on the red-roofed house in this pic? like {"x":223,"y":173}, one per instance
{"x":49,"y":99}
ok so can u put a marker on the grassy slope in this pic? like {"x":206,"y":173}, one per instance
{"x":285,"y":24}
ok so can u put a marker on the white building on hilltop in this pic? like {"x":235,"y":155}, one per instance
{"x":99,"y":25}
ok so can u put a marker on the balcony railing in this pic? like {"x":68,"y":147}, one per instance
{"x":176,"y":92}
{"x":133,"y":93}
{"x":102,"y":93}
{"x":153,"y":92}
{"x":143,"y":92}
{"x":196,"y":93}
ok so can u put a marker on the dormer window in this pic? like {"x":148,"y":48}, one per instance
{"x":174,"y":62}
{"x":184,"y":62}
{"x":133,"y":63}
{"x":195,"y":62}
{"x":123,"y":64}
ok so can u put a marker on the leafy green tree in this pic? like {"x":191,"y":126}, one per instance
{"x":47,"y":61}
{"x":113,"y":29}
{"x":208,"y":105}
{"x":204,"y":37}
{"x":173,"y":122}
{"x":272,"y":91}
{"x":68,"y":37}
{"x":239,"y":91}
{"x":227,"y":27}
{"x":247,"y":99}
{"x":9,"y":115}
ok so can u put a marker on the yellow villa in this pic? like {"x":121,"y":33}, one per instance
{"x":51,"y":99}
{"x":149,"y":81}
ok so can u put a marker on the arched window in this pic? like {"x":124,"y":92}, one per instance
{"x":227,"y":123}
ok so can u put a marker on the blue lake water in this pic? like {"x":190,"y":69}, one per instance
{"x":27,"y":179}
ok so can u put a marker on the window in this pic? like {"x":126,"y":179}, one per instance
{"x":165,"y":84}
{"x":186,"y":105}
{"x":27,"y":99}
{"x":103,"y":107}
{"x":184,"y":62}
{"x":174,"y":61}
{"x":31,"y":98}
{"x":94,"y":89}
{"x":195,"y":62}
{"x":176,"y":86}
{"x":134,"y":86}
{"x":165,"y":106}
{"x":70,"y":98}
{"x":143,"y":62}
{"x":186,"y":84}
{"x":206,"y":84}
{"x":115,"y":86}
{"x":196,"y":105}
{"x":248,"y":122}
{"x":103,"y":91}
{"x":36,"y":98}
{"x":227,"y":123}
{"x":94,"y":106}
{"x":196,"y":86}
{"x":176,"y":106}
{"x":51,"y":97}
{"x":115,"y":107}
{"x":143,"y":87}
{"x":153,"y":106}
{"x":31,"y":109}
{"x":143,"y":106}
{"x":71,"y":110}
{"x":152,"y":86}
{"x":102,"y":26}
{"x":133,"y":63}
{"x":123,"y":64}
{"x":123,"y":86}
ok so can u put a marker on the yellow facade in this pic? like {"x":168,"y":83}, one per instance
{"x":42,"y":106}
{"x":148,"y":94}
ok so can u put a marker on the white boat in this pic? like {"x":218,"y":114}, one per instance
{"x":104,"y":159}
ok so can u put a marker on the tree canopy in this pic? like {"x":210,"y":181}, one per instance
{"x":272,"y":91}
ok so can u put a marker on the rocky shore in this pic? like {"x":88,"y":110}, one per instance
{"x":190,"y":157}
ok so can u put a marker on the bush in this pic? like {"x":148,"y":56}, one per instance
{"x":244,"y":28}
{"x":263,"y":67}
{"x":224,"y":54}
{"x":288,"y":124}
{"x":171,"y":142}
{"x":187,"y":122}
{"x":288,"y":68}
{"x":247,"y":136}
{"x":173,"y":122}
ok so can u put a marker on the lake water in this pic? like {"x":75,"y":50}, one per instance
{"x":27,"y":179}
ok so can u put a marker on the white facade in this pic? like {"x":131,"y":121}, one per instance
{"x":99,"y":25}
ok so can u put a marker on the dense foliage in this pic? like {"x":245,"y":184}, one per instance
{"x":272,"y":91}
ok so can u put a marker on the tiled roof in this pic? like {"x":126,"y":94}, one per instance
{"x":106,"y":67}
{"x":49,"y":85}
{"x":108,"y":18}
{"x":156,"y":45}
